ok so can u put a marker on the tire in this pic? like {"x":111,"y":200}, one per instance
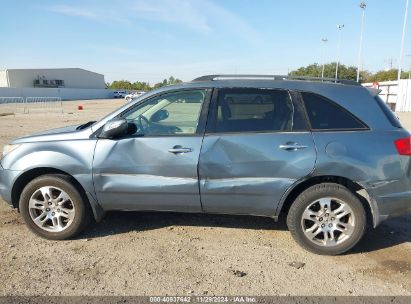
{"x":60,"y":210}
{"x":327,"y":219}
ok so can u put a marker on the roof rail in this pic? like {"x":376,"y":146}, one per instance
{"x":276,"y":77}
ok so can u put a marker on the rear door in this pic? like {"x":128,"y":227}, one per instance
{"x":256,"y":146}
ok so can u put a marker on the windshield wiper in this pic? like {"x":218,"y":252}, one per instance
{"x":87,"y":124}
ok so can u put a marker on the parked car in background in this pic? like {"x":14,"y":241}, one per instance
{"x":133,"y":95}
{"x":119,"y":94}
{"x":327,"y":154}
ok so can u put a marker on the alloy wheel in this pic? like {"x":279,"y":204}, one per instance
{"x":328,"y":221}
{"x":51,"y":209}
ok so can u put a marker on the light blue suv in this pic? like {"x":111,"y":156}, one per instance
{"x":327,"y":154}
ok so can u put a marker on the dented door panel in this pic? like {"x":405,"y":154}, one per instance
{"x":249,"y":173}
{"x":141,"y":174}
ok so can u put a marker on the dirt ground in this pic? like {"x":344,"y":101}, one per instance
{"x":134,"y":253}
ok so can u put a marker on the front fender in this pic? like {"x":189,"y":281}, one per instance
{"x":73,"y":157}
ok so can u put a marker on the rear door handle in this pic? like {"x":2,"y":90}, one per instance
{"x":292,"y":146}
{"x":179,"y":150}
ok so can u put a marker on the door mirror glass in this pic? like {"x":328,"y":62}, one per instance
{"x":159,"y":115}
{"x":115,"y":128}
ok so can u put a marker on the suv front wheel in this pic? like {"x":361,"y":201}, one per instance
{"x":327,"y":219}
{"x":53,"y":208}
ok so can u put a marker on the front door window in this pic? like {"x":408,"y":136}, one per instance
{"x":169,"y":114}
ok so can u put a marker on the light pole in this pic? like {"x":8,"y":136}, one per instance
{"x":340,"y":27}
{"x":363,"y":5}
{"x":324,"y":40}
{"x":402,"y":41}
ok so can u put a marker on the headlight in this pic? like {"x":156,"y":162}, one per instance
{"x":8,"y":148}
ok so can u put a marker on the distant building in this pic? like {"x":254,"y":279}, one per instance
{"x":71,"y":78}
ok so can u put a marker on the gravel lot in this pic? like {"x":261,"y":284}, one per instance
{"x":182,"y":254}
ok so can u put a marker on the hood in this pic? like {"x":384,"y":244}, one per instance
{"x":55,"y":131}
{"x":65,"y":133}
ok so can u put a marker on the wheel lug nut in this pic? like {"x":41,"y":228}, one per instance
{"x":326,"y":214}
{"x":58,"y":210}
{"x":320,"y":219}
{"x":333,"y":218}
{"x":330,"y":225}
{"x":322,"y":225}
{"x":49,"y":203}
{"x":47,"y":209}
{"x":53,"y":213}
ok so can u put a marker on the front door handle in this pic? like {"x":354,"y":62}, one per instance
{"x":292,"y":146}
{"x":179,"y":150}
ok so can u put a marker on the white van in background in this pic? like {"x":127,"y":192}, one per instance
{"x":119,"y":94}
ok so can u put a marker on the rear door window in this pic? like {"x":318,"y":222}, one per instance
{"x":325,"y":114}
{"x":255,"y":110}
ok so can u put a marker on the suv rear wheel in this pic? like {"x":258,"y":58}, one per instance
{"x":53,"y":208}
{"x":327,"y":219}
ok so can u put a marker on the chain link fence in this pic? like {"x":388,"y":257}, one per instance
{"x":12,"y":105}
{"x":43,"y":104}
{"x":21,"y":105}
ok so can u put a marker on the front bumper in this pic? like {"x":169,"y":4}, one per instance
{"x":6,"y":177}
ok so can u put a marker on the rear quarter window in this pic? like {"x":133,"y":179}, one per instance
{"x":325,"y":114}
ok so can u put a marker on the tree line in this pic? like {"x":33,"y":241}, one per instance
{"x":141,"y":86}
{"x":312,"y":70}
{"x":347,"y":72}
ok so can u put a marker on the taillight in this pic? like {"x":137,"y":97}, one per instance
{"x":403,"y":145}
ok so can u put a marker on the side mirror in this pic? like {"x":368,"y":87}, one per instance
{"x":159,"y":116}
{"x":115,"y":128}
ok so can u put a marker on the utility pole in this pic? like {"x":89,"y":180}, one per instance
{"x":363,"y":5}
{"x":339,"y":27}
{"x":324,"y":40}
{"x":390,"y":62}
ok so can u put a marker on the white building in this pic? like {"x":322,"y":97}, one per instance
{"x":67,"y":84}
{"x":397,"y":97}
{"x":51,"y":78}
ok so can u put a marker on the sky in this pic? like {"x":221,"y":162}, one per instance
{"x":149,"y":40}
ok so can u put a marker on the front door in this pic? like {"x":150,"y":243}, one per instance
{"x":155,"y":168}
{"x":256,"y":146}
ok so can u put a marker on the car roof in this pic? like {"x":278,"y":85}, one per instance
{"x":263,"y":81}
{"x":273,"y":77}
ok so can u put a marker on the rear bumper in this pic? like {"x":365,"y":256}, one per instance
{"x":391,"y":199}
{"x":394,"y":205}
